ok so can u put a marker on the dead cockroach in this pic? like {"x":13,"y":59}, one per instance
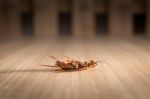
{"x":72,"y":64}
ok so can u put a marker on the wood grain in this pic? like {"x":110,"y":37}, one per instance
{"x":125,"y":73}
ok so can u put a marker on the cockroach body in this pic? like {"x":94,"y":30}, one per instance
{"x":71,"y":64}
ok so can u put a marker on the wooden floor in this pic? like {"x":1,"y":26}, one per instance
{"x":125,"y":73}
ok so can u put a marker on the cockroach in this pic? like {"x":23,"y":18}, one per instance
{"x":72,"y":64}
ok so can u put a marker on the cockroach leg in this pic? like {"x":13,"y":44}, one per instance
{"x":68,"y":57}
{"x":80,"y":69}
{"x":58,"y":69}
{"x":48,"y":65}
{"x":52,"y":57}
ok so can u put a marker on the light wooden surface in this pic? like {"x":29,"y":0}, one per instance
{"x":125,"y":73}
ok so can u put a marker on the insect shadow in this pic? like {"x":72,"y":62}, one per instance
{"x":35,"y":71}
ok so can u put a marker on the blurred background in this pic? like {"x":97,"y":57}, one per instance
{"x":74,"y":18}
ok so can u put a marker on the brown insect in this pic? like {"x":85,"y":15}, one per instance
{"x":72,"y":64}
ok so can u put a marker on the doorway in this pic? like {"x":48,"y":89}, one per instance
{"x":101,"y":24}
{"x":27,"y":23}
{"x":139,"y":22}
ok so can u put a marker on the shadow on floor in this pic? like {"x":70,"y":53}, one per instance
{"x":36,"y":71}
